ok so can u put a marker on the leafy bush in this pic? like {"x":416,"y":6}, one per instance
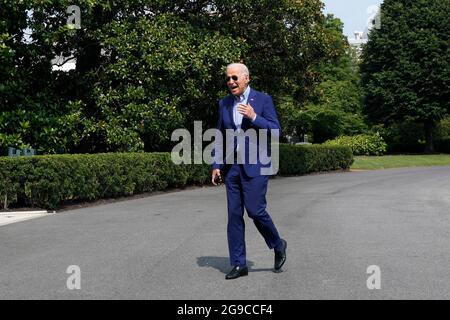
{"x":48,"y":181}
{"x":402,"y":137}
{"x":326,"y":122}
{"x":361,"y":144}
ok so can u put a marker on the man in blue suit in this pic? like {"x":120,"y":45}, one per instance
{"x":245,"y":182}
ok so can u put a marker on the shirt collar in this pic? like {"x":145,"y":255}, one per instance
{"x":243,"y":97}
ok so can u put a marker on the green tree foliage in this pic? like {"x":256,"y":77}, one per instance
{"x":145,"y":67}
{"x":335,"y":106}
{"x":31,"y":96}
{"x":405,"y":72}
{"x":287,"y":39}
{"x":139,"y":73}
{"x":162,"y":73}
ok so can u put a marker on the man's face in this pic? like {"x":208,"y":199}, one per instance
{"x":237,"y":82}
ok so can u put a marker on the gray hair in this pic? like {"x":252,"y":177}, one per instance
{"x":242,"y":67}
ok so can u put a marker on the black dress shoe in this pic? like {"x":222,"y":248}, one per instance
{"x":237,"y":272}
{"x":280,"y":256}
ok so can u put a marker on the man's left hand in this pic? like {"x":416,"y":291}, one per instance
{"x":247,"y":111}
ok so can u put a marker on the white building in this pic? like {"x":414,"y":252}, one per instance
{"x":361,"y":37}
{"x":358,"y":41}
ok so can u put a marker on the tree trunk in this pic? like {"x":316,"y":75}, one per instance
{"x":429,"y":146}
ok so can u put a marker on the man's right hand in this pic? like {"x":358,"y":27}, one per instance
{"x":215,"y":173}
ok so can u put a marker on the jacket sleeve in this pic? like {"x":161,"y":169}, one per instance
{"x":218,"y":143}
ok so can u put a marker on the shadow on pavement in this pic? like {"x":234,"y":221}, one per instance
{"x":220,"y":263}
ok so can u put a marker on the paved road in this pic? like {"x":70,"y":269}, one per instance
{"x":173,"y":246}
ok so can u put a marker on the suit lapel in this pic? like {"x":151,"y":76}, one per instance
{"x":229,"y":104}
{"x":251,"y":100}
{"x":251,"y":96}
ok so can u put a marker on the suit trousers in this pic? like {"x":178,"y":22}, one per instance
{"x":249,"y":193}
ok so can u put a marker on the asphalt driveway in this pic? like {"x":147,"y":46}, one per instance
{"x":173,"y":246}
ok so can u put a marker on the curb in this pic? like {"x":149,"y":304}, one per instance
{"x":27,"y":212}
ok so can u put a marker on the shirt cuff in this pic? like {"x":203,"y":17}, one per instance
{"x":253,"y":120}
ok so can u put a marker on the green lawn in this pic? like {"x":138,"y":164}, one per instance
{"x":384,"y":162}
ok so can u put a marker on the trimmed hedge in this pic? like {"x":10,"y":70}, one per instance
{"x":48,"y":181}
{"x":301,"y":159}
{"x":361,"y":144}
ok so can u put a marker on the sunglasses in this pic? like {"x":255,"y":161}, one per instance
{"x":235,"y":78}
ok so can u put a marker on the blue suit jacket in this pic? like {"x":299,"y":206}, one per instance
{"x":266,"y":119}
